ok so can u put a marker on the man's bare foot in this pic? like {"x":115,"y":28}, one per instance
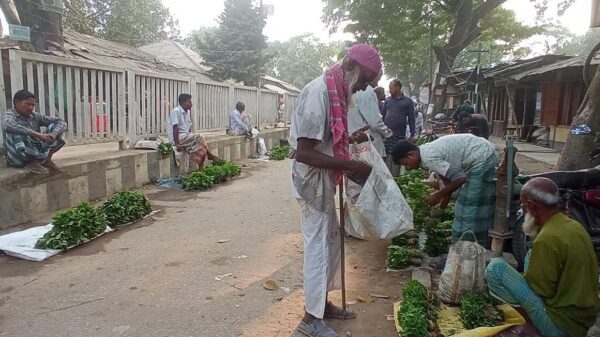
{"x":36,"y":167}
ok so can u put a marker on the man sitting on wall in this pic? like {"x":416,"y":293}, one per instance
{"x":181,"y":136}
{"x":559,"y":289}
{"x":239,"y":122}
{"x":26,"y":145}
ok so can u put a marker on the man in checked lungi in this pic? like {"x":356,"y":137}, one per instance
{"x":181,"y":135}
{"x":467,"y":163}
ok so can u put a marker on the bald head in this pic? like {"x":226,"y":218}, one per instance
{"x":542,"y":191}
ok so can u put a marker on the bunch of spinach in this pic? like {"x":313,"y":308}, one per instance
{"x":415,"y":192}
{"x":480,"y":310}
{"x":280,"y":152}
{"x":402,"y":257}
{"x":219,"y":173}
{"x":125,"y":207}
{"x":409,"y":239}
{"x":73,"y":227}
{"x":418,"y":313}
{"x":165,"y":149}
{"x":197,"y":181}
{"x":438,"y":229}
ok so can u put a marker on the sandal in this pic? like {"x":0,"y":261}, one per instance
{"x":316,"y":328}
{"x":36,"y":168}
{"x":331,"y":311}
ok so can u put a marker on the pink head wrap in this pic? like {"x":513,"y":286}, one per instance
{"x":366,"y":56}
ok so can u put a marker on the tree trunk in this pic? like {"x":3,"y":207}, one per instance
{"x":466,"y":30}
{"x":575,"y":154}
{"x":46,"y":26}
{"x":9,"y":12}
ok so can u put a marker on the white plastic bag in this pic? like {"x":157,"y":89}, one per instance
{"x":376,"y":210}
{"x":254,"y":133}
{"x":464,"y":271}
{"x":262,"y":147}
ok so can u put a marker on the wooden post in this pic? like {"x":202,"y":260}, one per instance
{"x":342,"y":246}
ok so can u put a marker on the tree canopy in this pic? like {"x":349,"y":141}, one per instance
{"x":237,"y":50}
{"x":301,"y":59}
{"x":132,"y":22}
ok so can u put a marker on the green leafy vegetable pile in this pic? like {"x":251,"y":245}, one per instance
{"x":418,"y":313}
{"x":438,"y":229}
{"x":125,"y":207}
{"x":198,"y":181}
{"x":480,"y":310}
{"x":409,"y":239}
{"x":402,"y":257}
{"x":214,"y":173}
{"x":73,"y":227}
{"x":165,"y":149}
{"x":415,"y":192}
{"x":280,"y":152}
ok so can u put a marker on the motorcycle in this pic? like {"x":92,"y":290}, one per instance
{"x":580,"y":195}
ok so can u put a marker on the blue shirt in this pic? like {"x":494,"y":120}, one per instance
{"x":399,"y":112}
{"x":236,"y":124}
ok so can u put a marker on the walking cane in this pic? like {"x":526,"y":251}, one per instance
{"x":342,"y":237}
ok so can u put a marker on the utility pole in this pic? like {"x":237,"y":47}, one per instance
{"x":478,"y":74}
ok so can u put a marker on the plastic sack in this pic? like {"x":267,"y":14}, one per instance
{"x":262,"y":147}
{"x":375,"y":208}
{"x":464,"y":271}
{"x":254,"y":133}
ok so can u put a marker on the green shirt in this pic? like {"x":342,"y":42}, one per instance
{"x":563,"y":271}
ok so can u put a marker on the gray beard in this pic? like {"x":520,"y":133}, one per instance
{"x":530,"y":228}
{"x":352,"y":78}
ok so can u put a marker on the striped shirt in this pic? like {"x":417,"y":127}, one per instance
{"x":13,"y":122}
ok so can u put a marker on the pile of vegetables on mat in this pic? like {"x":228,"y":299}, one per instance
{"x":73,"y":227}
{"x":480,"y":310}
{"x":280,"y":152}
{"x":125,"y":207}
{"x":401,"y":257}
{"x":418,"y":314}
{"x":409,"y":239}
{"x":438,"y":230}
{"x":214,"y":173}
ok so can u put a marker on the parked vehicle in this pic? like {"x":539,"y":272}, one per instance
{"x":580,"y":194}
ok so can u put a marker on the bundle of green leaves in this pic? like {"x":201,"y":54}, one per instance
{"x":125,"y":207}
{"x":480,"y":310}
{"x":402,"y":257}
{"x":197,"y":181}
{"x":409,"y":239}
{"x":418,"y":313}
{"x":219,"y":173}
{"x":415,"y":192}
{"x":73,"y":227}
{"x":438,"y":229}
{"x":280,"y":152}
{"x":165,"y":149}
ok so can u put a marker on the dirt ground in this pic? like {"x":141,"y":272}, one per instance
{"x":158,"y":277}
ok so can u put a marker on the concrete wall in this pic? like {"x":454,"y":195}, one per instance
{"x":25,"y":196}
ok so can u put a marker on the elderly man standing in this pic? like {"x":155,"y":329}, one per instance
{"x":467,"y":163}
{"x":181,"y":135}
{"x":26,"y":146}
{"x":365,"y":112}
{"x":319,"y":136}
{"x":559,"y":289}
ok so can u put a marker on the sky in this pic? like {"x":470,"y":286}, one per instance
{"x":294,"y":17}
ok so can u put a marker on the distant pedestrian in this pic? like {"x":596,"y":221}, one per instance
{"x":399,"y":112}
{"x":474,"y":123}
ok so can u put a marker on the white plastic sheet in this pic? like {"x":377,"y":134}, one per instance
{"x":22,"y":244}
{"x":378,"y":209}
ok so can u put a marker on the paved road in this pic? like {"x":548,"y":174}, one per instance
{"x":157,"y":278}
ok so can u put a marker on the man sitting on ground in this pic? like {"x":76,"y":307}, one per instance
{"x":26,"y":146}
{"x":476,"y":124}
{"x":559,"y":289}
{"x":237,"y":126}
{"x":181,"y":136}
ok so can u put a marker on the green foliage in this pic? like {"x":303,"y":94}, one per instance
{"x":132,"y":22}
{"x":166,"y":149}
{"x":402,"y":257}
{"x":581,"y":45}
{"x":479,"y":310}
{"x":301,"y":59}
{"x":197,"y":181}
{"x":280,"y":152}
{"x":237,"y":49}
{"x":415,"y":192}
{"x":409,"y":240}
{"x":418,"y":313}
{"x":125,"y":207}
{"x":438,"y":230}
{"x":73,"y":227}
